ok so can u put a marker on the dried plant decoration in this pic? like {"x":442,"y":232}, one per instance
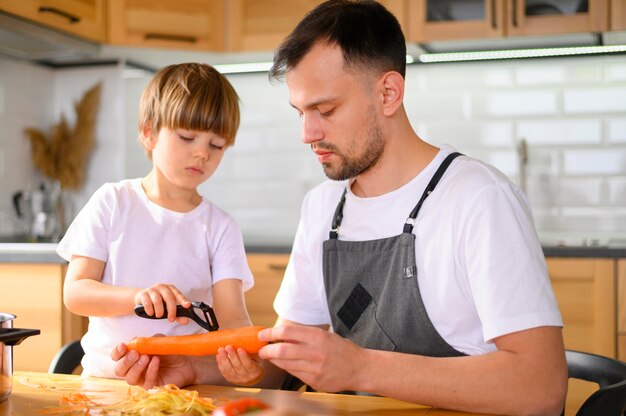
{"x":63,"y":156}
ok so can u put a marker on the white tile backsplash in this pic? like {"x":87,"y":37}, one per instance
{"x":617,"y":130}
{"x":515,"y":103}
{"x":594,"y":162}
{"x":606,"y":99}
{"x":571,"y":111}
{"x":617,"y":192}
{"x":565,"y":132}
{"x":616,"y":72}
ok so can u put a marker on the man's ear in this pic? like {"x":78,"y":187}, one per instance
{"x":392,"y":84}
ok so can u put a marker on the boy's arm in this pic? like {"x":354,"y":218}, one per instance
{"x":84,"y":293}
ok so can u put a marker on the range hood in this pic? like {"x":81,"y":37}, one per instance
{"x":28,"y":41}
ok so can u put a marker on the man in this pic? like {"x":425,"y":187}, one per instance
{"x":457,"y":310}
{"x":424,"y":263}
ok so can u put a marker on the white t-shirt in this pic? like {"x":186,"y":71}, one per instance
{"x":481,"y":269}
{"x":144,"y":244}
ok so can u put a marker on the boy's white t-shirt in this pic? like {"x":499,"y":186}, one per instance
{"x":144,"y":244}
{"x":481,"y":269}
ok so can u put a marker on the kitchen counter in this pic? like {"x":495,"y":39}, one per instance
{"x":39,"y":392}
{"x":29,"y":253}
{"x":46,"y":252}
{"x":584,"y":251}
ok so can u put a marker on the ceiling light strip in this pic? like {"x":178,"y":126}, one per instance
{"x":243,"y":68}
{"x":519,"y":53}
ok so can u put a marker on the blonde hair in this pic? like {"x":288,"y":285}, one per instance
{"x":190,"y":96}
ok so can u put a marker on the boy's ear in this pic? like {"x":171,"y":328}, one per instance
{"x":145,"y":136}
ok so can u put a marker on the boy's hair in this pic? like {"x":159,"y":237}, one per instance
{"x":367,"y":33}
{"x":190,"y":96}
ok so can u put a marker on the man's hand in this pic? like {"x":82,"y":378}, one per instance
{"x":323,"y":360}
{"x":147,"y":372}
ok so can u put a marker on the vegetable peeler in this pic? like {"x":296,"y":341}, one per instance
{"x":209,"y":322}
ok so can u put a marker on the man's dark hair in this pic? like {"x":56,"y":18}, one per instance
{"x":367,"y":33}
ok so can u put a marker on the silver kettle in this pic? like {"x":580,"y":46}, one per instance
{"x":39,"y":211}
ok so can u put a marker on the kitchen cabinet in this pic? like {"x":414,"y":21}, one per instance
{"x":585,"y":290}
{"x":621,"y":309}
{"x":618,"y":15}
{"x":264,"y":24}
{"x":181,"y":24}
{"x":434,"y":20}
{"x":268,"y":270}
{"x":34,"y":293}
{"x":84,"y":18}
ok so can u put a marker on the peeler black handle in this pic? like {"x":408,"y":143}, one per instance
{"x":209,"y":323}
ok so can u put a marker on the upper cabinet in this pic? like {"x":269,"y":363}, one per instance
{"x":180,"y":24}
{"x":618,"y":15}
{"x":264,"y":24}
{"x":433,"y":20}
{"x":84,"y":18}
{"x":261,"y":25}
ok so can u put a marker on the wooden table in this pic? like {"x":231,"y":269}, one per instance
{"x":36,"y":391}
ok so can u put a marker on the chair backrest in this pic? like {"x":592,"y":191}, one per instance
{"x":609,"y":374}
{"x":67,"y":359}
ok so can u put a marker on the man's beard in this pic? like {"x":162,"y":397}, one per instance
{"x":348,"y":168}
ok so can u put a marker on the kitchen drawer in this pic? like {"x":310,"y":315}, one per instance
{"x":268,"y":271}
{"x":84,"y":18}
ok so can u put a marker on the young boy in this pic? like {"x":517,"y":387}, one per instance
{"x":156,"y":241}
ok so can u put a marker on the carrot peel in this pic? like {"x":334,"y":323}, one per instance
{"x":200,"y":344}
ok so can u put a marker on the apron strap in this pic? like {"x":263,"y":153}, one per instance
{"x":410,"y":222}
{"x":338,"y":217}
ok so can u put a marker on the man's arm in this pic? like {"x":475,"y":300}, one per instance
{"x":526,"y":376}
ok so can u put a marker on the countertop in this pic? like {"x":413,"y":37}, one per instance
{"x":46,"y":252}
{"x":35,"y":393}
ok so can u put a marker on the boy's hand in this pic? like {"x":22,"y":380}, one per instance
{"x":238,"y":367}
{"x":160,"y":299}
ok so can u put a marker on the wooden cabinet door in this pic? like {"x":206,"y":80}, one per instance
{"x":33,"y":292}
{"x":268,"y":271}
{"x":262,"y":25}
{"x":617,"y":15}
{"x":552,"y":17}
{"x":181,"y":24}
{"x":585,"y":291}
{"x":84,"y":18}
{"x":434,"y":20}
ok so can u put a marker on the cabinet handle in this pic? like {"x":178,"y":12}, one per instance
{"x":494,"y":21}
{"x":274,"y":266}
{"x":72,"y":18}
{"x":176,"y":38}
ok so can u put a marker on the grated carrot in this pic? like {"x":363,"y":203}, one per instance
{"x":164,"y":400}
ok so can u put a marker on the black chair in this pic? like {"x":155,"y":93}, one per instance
{"x":608,"y":373}
{"x":67,"y":359}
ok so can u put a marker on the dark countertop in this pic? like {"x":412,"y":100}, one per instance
{"x":584,"y":251}
{"x":46,"y":252}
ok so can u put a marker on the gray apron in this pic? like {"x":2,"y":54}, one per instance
{"x":372,"y":290}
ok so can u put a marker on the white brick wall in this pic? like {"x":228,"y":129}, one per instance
{"x":571,"y":111}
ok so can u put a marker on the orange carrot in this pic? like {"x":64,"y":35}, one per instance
{"x":200,"y":344}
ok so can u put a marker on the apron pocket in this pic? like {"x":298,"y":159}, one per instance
{"x":368,"y":333}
